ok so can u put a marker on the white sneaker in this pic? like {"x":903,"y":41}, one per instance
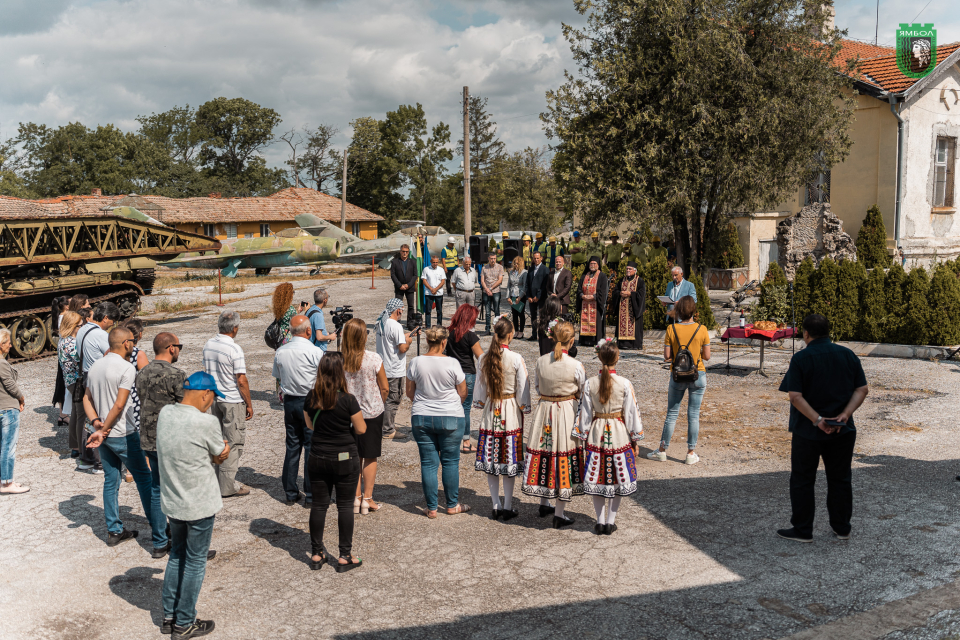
{"x":84,"y":466}
{"x":656,"y":454}
{"x":14,"y":487}
{"x":691,"y":458}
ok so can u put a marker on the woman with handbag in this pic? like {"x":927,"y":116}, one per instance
{"x":516,"y":298}
{"x":685,"y":340}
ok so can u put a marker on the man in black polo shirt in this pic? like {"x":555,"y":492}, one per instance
{"x":825,"y":382}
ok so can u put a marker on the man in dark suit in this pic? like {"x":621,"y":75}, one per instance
{"x":538,"y":287}
{"x":403,"y":272}
{"x":561,"y":281}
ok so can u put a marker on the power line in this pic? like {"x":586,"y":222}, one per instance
{"x":921,"y":11}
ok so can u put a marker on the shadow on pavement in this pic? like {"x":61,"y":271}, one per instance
{"x":139,"y":587}
{"x":290,"y":539}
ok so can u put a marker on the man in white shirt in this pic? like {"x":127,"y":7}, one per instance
{"x":434,"y":278}
{"x":295,"y":364}
{"x":392,"y":346}
{"x":464,"y":282}
{"x":223,"y":359}
{"x":92,"y":343}
{"x":109,"y":412}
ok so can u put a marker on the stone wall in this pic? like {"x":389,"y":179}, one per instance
{"x":814,"y":231}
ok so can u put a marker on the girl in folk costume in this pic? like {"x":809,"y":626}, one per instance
{"x":502,"y":391}
{"x":609,"y":424}
{"x":552,"y":461}
{"x":592,"y":303}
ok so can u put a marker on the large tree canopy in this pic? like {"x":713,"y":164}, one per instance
{"x":685,"y":110}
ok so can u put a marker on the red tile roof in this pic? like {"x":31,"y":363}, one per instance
{"x":878,"y":65}
{"x":15,"y":208}
{"x":284,"y":205}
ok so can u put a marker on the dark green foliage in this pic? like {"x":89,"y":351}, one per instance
{"x":656,"y":273}
{"x":823,"y":296}
{"x":873,"y":308}
{"x":773,"y":278}
{"x":802,"y":287}
{"x":704,"y":312}
{"x":725,"y":252}
{"x":916,"y":308}
{"x":944,"y":307}
{"x":847,"y":309}
{"x":893,"y":294}
{"x":872,"y":241}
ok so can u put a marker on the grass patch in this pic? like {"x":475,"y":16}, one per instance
{"x":165,"y":305}
{"x":229,"y":287}
{"x":250,"y":315}
{"x":208,"y":278}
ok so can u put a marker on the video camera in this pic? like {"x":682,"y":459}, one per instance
{"x":340,"y":316}
{"x":415,"y":321}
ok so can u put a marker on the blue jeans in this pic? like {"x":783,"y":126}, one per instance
{"x":674,"y":396}
{"x":491,"y":306}
{"x":298,"y":439}
{"x":126,"y":451}
{"x":9,"y":433}
{"x":464,"y":422}
{"x":428,"y":300}
{"x":154,"y":476}
{"x":438,"y":438}
{"x":189,"y":543}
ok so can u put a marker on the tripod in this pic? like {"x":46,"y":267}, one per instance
{"x":727,"y":366}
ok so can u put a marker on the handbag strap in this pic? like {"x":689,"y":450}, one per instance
{"x":81,"y":348}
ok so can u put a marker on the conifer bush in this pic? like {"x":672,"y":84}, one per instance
{"x":656,"y":274}
{"x":873,"y":308}
{"x":944,"y":307}
{"x":802,"y":283}
{"x":893,"y":295}
{"x":773,"y":278}
{"x":872,"y":241}
{"x":845,"y":323}
{"x":726,"y":250}
{"x":704,"y":312}
{"x":823,"y":295}
{"x":916,"y":308}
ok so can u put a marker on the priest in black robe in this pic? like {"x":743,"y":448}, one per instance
{"x":629,"y":300}
{"x":592,"y":303}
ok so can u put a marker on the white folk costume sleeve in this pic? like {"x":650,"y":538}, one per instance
{"x":523,"y":385}
{"x":479,"y":388}
{"x":631,"y":413}
{"x":581,"y":378}
{"x":581,"y":428}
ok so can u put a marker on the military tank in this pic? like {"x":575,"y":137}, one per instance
{"x":112,"y":257}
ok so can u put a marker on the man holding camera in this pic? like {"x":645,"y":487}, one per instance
{"x":826,"y":385}
{"x":318,"y":325}
{"x":392,"y":346}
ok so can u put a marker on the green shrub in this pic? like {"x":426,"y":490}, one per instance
{"x":893,"y":293}
{"x":872,"y":241}
{"x":725,"y":251}
{"x":704,"y":312}
{"x":873,"y":308}
{"x":777,"y":307}
{"x":802,"y":283}
{"x":773,"y":278}
{"x":656,"y":274}
{"x":847,"y":309}
{"x":916,"y":308}
{"x":823,"y":290}
{"x":944,"y":307}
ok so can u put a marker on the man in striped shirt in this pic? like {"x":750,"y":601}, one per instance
{"x":223,"y":359}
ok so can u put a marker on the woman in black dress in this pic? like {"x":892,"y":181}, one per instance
{"x":552,"y":311}
{"x":335,"y":418}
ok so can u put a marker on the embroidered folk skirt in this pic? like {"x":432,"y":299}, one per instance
{"x":552,"y":461}
{"x":610,"y":468}
{"x":500,"y":443}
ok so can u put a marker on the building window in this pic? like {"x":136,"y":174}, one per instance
{"x":355,"y":228}
{"x":248,"y":235}
{"x":210,"y":230}
{"x":231,"y":229}
{"x":943,"y":171}
{"x":817,"y":190}
{"x":264,"y":229}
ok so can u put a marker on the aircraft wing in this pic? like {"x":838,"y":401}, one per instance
{"x":222,"y":261}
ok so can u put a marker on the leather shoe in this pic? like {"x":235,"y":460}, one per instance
{"x":242,"y":491}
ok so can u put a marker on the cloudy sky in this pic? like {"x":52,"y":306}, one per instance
{"x":314,"y":61}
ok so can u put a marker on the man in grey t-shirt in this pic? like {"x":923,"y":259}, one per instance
{"x":189,"y":444}
{"x":392,"y":346}
{"x":92,"y":343}
{"x":108,"y":409}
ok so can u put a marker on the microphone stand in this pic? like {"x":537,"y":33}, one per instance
{"x":793,"y":309}
{"x":727,"y":366}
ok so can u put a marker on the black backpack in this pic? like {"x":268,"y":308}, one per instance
{"x":273,"y":336}
{"x":684,"y":364}
{"x":80,"y":386}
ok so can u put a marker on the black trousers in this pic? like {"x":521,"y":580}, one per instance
{"x":410,"y":295}
{"x":805,"y":455}
{"x":519,"y":317}
{"x":326,"y":472}
{"x":534,"y":312}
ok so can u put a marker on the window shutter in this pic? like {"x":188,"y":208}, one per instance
{"x":951,"y":172}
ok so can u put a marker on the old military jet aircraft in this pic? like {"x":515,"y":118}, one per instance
{"x":382,"y":250}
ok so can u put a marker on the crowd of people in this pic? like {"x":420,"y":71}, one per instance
{"x":180,"y":437}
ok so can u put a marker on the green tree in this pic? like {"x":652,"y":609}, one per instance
{"x":656,"y":274}
{"x":916,"y":308}
{"x":371,"y":184}
{"x":893,"y":293}
{"x":687,"y":109}
{"x":526,"y":196}
{"x":823,"y":292}
{"x":773,"y":278}
{"x":945,"y":307}
{"x":725,"y":251}
{"x":704,"y":311}
{"x":845,"y":321}
{"x":872,"y":241}
{"x":176,"y":131}
{"x":802,"y":289}
{"x":873,"y":308}
{"x":320,"y":163}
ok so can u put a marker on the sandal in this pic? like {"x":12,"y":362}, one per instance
{"x":350,"y":564}
{"x":460,"y":508}
{"x":316,"y":565}
{"x":430,"y":514}
{"x":467,"y":447}
{"x":367,"y":505}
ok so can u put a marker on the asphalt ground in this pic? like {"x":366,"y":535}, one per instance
{"x":695,"y":555}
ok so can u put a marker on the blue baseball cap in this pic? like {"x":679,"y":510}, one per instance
{"x":201,"y":381}
{"x":576,"y":234}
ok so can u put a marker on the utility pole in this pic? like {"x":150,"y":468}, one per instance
{"x":343,"y":194}
{"x":466,"y":169}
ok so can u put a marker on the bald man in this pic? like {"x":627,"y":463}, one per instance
{"x":110,"y":412}
{"x":295,"y":364}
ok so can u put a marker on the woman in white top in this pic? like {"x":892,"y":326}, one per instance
{"x":552,"y":462}
{"x":517,"y":294}
{"x":437,"y":387}
{"x":609,"y":424}
{"x":367,"y":382}
{"x":503,"y":392}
